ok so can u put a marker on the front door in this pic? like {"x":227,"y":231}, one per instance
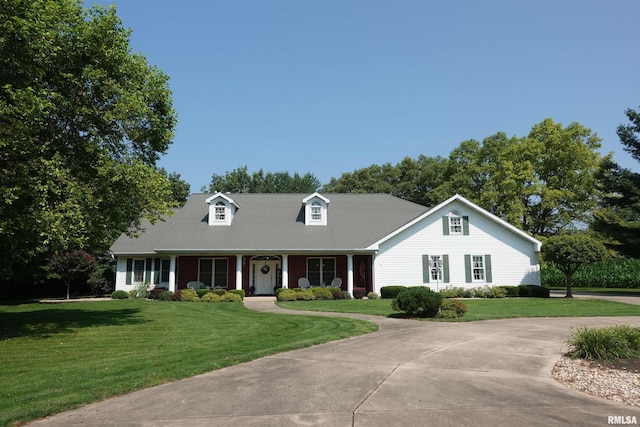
{"x":264,"y":278}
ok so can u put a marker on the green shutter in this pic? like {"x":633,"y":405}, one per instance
{"x":487,"y":269}
{"x":465,"y":225}
{"x":445,"y":268}
{"x":129,"y":271}
{"x":445,"y":225}
{"x":425,"y":269}
{"x":467,"y":268}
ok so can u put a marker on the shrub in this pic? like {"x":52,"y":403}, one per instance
{"x":287,"y":295}
{"x":391,"y":291}
{"x":165,"y":296}
{"x":372,"y":295}
{"x":346,"y":295}
{"x":218,"y":292}
{"x":230,"y":297}
{"x":608,"y":343}
{"x":133,"y":293}
{"x":512,"y":291}
{"x":304,"y":294}
{"x":418,"y":301}
{"x":120,"y":295}
{"x":533,"y":291}
{"x":336,"y":293}
{"x":155,"y":292}
{"x":238,"y":292}
{"x":495,"y":292}
{"x":359,"y":293}
{"x":452,"y":292}
{"x":451,"y":309}
{"x":189,"y":295}
{"x":202,"y":292}
{"x":211,"y":297}
{"x":102,"y":280}
{"x":322,"y":293}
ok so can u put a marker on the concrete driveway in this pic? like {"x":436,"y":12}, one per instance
{"x":409,"y":373}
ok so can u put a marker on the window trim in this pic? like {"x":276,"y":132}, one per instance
{"x":214,"y":272}
{"x":455,"y":228}
{"x":481,"y":270}
{"x":220,"y":211}
{"x":133,"y":270}
{"x":322,"y":278}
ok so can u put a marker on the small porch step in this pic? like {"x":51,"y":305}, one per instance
{"x":261,"y":298}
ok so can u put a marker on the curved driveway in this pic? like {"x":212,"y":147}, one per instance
{"x":409,"y":373}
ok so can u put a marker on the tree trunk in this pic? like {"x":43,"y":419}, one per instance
{"x":68,"y":283}
{"x":569,"y":281}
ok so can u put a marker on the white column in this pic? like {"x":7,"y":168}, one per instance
{"x":172,"y":274}
{"x":238,"y":271}
{"x":285,"y":271}
{"x":350,"y":274}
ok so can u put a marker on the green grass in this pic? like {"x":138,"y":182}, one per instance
{"x":484,"y":309}
{"x":56,"y":357}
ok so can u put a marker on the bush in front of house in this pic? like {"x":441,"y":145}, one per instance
{"x":133,"y":293}
{"x":165,"y":296}
{"x":359,"y":293}
{"x":418,"y":301}
{"x":287,"y":295}
{"x":495,"y":292}
{"x":322,"y":293}
{"x":452,"y":292}
{"x":372,"y":295}
{"x":211,"y":297}
{"x":231,"y":297}
{"x":512,"y":291}
{"x":452,"y":309}
{"x":238,"y":292}
{"x":189,"y":295}
{"x":337,"y":293}
{"x":304,"y":294}
{"x":607,"y":343}
{"x":391,"y":291}
{"x":533,"y":291}
{"x":120,"y":295}
{"x":202,"y":292}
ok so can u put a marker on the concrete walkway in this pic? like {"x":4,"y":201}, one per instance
{"x":409,"y":373}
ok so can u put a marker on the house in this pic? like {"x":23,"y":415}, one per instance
{"x":259,"y":242}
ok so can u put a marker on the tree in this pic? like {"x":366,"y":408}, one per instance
{"x":83,"y":121}
{"x":619,"y":216}
{"x":567,"y":252}
{"x":70,"y":265}
{"x":180,"y":189}
{"x":240,"y":181}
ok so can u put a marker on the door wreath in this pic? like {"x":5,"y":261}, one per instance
{"x":265,"y":269}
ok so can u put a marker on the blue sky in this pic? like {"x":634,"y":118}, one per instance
{"x":331,"y":86}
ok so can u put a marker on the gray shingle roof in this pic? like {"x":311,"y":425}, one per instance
{"x":275,"y":222}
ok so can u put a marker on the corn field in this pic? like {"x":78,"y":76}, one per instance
{"x":616,"y":273}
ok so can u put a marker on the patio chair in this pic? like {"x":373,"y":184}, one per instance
{"x":336,"y":283}
{"x":195,"y":285}
{"x":303,"y":282}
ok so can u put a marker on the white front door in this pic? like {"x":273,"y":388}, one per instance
{"x":264,"y":276}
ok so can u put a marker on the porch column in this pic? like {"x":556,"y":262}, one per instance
{"x":172,"y":274}
{"x":285,"y":271}
{"x":238,"y":271}
{"x":350,"y":274}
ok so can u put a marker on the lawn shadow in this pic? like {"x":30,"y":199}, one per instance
{"x":57,"y":320}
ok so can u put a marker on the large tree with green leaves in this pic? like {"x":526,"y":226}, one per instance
{"x":83,"y":121}
{"x":619,"y":218}
{"x":567,"y":252}
{"x":240,"y":180}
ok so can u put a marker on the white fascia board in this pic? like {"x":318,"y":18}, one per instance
{"x":224,"y":196}
{"x":316,"y":194}
{"x":537,"y":243}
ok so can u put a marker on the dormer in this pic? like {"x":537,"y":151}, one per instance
{"x":222,"y":208}
{"x":315,"y":209}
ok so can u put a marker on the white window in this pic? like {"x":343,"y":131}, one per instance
{"x":316,"y":211}
{"x":213,"y":272}
{"x":435,"y":265}
{"x":220,"y":213}
{"x":321,"y":271}
{"x":477,"y":268}
{"x":455,"y":225}
{"x":138,"y":270}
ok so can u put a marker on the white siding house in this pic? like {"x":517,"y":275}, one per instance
{"x":474,"y":248}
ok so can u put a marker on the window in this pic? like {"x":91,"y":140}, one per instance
{"x":316,"y":211}
{"x":321,"y":270}
{"x":435,"y":265}
{"x":164,"y":271}
{"x":138,"y":270}
{"x":220,"y":213}
{"x":213,"y":272}
{"x":455,"y":225}
{"x":477,"y":267}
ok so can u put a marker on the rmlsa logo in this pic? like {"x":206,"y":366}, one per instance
{"x":619,"y":419}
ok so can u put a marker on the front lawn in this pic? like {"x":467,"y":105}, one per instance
{"x":483,"y":309}
{"x":56,"y":357}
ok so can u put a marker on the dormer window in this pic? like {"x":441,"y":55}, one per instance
{"x":455,"y":224}
{"x":222,"y":208}
{"x":220,"y":211}
{"x":315,"y":209}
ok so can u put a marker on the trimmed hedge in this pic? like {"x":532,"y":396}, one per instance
{"x":391,"y":291}
{"x":237,"y":292}
{"x":533,"y":291}
{"x":120,"y":295}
